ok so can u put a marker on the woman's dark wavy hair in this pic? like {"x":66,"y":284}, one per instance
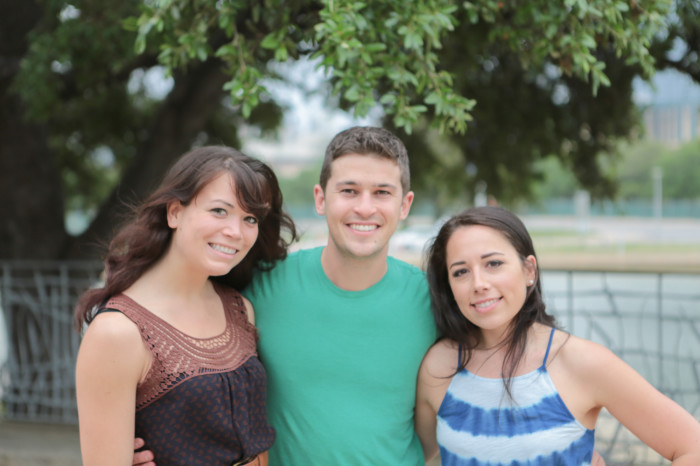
{"x":450,"y":321}
{"x":144,"y":240}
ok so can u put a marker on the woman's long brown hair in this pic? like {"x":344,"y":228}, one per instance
{"x":144,"y":240}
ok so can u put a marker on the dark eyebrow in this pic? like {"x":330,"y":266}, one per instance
{"x":483,"y":256}
{"x":454,"y":264}
{"x":224,"y":202}
{"x":355,"y":183}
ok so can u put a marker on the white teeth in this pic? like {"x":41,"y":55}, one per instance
{"x":486,"y":303}
{"x":223,"y":249}
{"x":358,"y":227}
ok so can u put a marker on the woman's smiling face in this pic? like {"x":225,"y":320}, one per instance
{"x":213,"y":233}
{"x":488,"y":278}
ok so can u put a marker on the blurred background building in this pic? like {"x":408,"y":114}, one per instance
{"x":671,"y":108}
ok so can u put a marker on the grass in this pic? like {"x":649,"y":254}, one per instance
{"x":585,"y":254}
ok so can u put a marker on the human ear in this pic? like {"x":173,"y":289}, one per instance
{"x":319,"y":200}
{"x":530,"y":265}
{"x":406,"y":204}
{"x":173,"y":210}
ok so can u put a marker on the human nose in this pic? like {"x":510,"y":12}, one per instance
{"x":365,"y":205}
{"x":233,"y":227}
{"x":480,"y":280}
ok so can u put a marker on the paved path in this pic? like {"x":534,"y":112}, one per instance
{"x":34,"y":444}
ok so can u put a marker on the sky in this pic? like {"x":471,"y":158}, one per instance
{"x":668,"y":87}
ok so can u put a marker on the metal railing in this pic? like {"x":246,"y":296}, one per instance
{"x":37,"y":381}
{"x":651,"y":320}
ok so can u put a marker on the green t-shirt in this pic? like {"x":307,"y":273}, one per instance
{"x":341,"y":365}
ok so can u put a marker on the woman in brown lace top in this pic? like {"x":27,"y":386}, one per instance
{"x":169,"y":351}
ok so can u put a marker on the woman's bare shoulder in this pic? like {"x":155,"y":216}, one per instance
{"x":112,"y":330}
{"x":441,"y":359}
{"x":581,"y":356}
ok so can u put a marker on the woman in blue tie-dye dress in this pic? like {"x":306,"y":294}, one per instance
{"x":503,"y":386}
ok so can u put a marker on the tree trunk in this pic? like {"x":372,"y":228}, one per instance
{"x":31,"y":200}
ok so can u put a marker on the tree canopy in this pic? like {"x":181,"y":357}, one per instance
{"x":479,"y":90}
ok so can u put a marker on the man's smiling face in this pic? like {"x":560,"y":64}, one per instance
{"x":363,"y":203}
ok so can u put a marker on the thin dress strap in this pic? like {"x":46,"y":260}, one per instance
{"x":105,"y":309}
{"x":459,"y":355}
{"x":549,"y":345}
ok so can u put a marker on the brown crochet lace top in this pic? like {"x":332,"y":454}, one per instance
{"x":203,"y":401}
{"x":178,"y":357}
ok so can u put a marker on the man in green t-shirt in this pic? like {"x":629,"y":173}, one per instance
{"x":343,"y":328}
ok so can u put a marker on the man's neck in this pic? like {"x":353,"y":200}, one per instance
{"x":350,"y":273}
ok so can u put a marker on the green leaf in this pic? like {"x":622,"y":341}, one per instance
{"x":140,"y":44}
{"x":270,"y":41}
{"x":246,"y":109}
{"x":352,"y":94}
{"x":588,"y":41}
{"x":375,"y":47}
{"x":202,"y":53}
{"x":281,"y":54}
{"x":388,"y":99}
{"x":131,"y":24}
{"x":433,"y":98}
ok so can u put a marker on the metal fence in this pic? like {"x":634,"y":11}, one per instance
{"x":650,"y":320}
{"x":37,"y":381}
